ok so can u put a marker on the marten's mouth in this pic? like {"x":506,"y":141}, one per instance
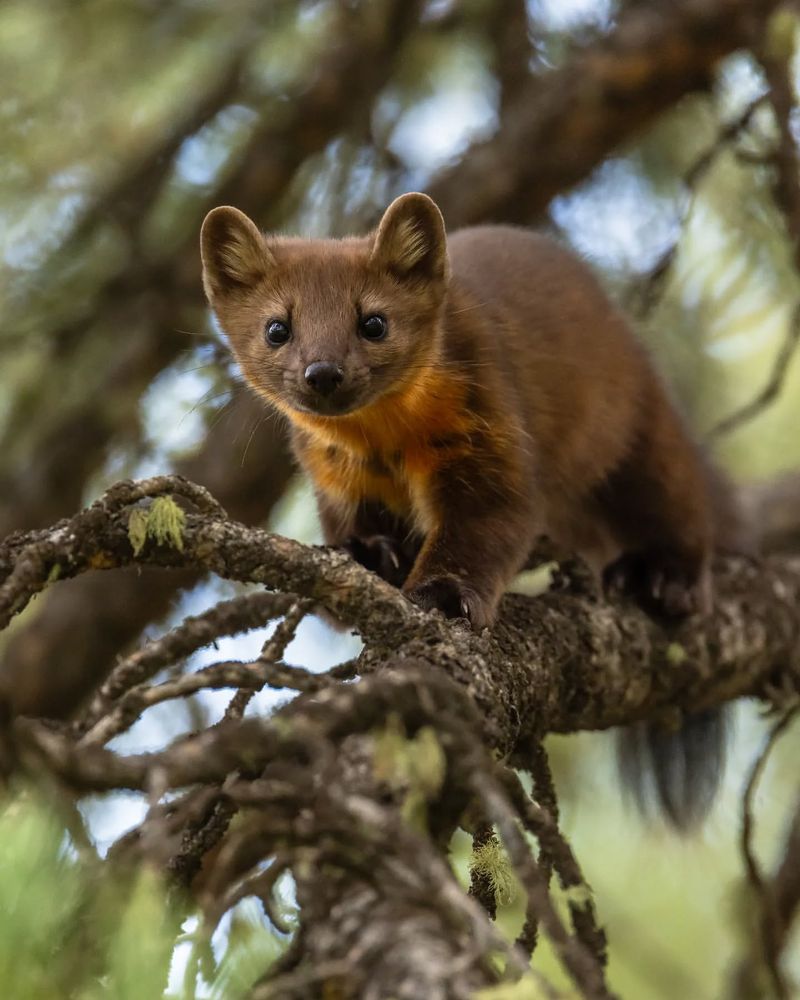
{"x":338,"y":404}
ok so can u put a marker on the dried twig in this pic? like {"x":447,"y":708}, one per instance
{"x":649,"y":288}
{"x":786,"y":190}
{"x":772,"y":929}
{"x":584,"y":966}
{"x":773,"y":386}
{"x":273,"y":673}
{"x":240,"y":614}
{"x":556,"y":855}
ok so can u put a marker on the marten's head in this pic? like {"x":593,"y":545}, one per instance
{"x":329,"y":326}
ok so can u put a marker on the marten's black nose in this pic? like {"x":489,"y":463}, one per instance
{"x":324,"y":377}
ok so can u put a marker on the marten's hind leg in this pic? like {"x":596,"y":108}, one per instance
{"x":658,"y":507}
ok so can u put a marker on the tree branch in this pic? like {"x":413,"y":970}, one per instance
{"x":564,"y":123}
{"x":777,"y":899}
{"x":786,"y":190}
{"x":361,"y":837}
{"x":747,"y":646}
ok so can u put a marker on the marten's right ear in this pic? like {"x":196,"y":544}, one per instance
{"x":411,"y":242}
{"x":234,"y":253}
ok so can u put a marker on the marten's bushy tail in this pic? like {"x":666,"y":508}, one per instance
{"x":675,"y":773}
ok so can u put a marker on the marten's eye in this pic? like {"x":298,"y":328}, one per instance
{"x":277,"y":332}
{"x":373,"y":327}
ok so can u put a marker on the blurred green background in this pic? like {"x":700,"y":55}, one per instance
{"x":122,"y":123}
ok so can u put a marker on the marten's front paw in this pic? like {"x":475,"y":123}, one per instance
{"x":453,"y":598}
{"x":382,"y":555}
{"x":661,"y":585}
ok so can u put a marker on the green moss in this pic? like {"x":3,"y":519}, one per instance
{"x":137,"y":529}
{"x":579,"y":895}
{"x":413,"y":767}
{"x":163,"y":522}
{"x":676,"y":654}
{"x":166,"y":522}
{"x":491,"y":862}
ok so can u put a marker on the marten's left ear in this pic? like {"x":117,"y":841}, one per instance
{"x":410,"y":242}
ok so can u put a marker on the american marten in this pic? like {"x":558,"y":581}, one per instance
{"x":454,"y":399}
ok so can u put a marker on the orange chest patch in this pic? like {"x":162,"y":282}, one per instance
{"x":389,"y":451}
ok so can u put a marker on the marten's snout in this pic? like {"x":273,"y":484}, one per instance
{"x":324,"y":377}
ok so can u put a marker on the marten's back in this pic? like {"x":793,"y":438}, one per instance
{"x":566,"y":353}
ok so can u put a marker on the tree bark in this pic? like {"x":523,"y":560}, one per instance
{"x":315,"y":784}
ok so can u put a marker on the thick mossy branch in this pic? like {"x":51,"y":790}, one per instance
{"x":559,"y":662}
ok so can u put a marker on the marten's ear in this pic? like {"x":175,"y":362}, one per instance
{"x":410,"y":242}
{"x":234,"y":253}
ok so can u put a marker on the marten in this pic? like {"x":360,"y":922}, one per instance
{"x":453,"y":399}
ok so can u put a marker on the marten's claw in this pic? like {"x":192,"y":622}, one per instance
{"x":379,"y":553}
{"x":453,"y":598}
{"x":661,"y":585}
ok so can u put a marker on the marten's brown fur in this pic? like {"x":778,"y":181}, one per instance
{"x":507,"y":399}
